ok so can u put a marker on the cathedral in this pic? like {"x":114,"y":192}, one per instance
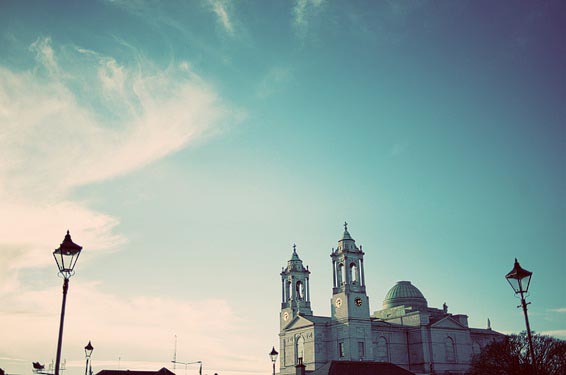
{"x":405,"y":332}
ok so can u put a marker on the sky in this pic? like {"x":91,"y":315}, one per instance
{"x":187,"y":145}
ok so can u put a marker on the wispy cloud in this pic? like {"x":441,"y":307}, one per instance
{"x":79,"y":118}
{"x":557,"y":333}
{"x":138,"y":325}
{"x":221,"y":9}
{"x":44,"y":54}
{"x":303,"y":11}
{"x":274,"y":80}
{"x":558,"y":310}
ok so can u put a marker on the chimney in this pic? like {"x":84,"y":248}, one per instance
{"x":300,"y":368}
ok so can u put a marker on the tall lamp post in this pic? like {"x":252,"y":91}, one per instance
{"x":520,"y":279}
{"x":66,"y":257}
{"x":88,"y":352}
{"x":273,"y":356}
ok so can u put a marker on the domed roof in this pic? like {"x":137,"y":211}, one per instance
{"x":404,"y":293}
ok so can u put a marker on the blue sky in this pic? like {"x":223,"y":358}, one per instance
{"x":188,"y":145}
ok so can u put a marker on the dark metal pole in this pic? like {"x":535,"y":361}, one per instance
{"x":58,"y":358}
{"x":86,"y":367}
{"x":273,"y":367}
{"x":524,"y":305}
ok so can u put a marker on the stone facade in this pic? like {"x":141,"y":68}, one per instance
{"x":405,"y":332}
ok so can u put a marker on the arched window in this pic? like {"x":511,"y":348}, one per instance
{"x":450,"y":350}
{"x":341,"y":274}
{"x":288,"y":290}
{"x":381,"y":352}
{"x":300,"y":349}
{"x":300,"y":290}
{"x":354,"y":273}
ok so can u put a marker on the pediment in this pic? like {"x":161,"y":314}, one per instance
{"x":448,"y":323}
{"x":299,"y":322}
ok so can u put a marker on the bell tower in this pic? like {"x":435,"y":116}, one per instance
{"x":295,"y":293}
{"x":349,"y":298}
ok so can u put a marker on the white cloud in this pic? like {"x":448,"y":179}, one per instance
{"x":51,"y":136}
{"x":273,"y":81}
{"x":44,"y":53}
{"x":220,"y":8}
{"x":79,"y":118}
{"x":557,"y":333}
{"x":133,"y":328}
{"x":303,"y":11}
{"x":559,"y":310}
{"x":75,"y":119}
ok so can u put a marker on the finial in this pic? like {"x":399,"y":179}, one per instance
{"x":294,"y":248}
{"x":67,"y":231}
{"x":346,"y":226}
{"x":488,"y":324}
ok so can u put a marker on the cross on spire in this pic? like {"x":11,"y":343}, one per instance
{"x":346,"y":226}
{"x":294,"y":248}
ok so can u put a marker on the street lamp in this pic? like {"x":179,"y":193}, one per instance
{"x":66,"y":257}
{"x":273,"y":356}
{"x":520,"y":279}
{"x":88,"y":352}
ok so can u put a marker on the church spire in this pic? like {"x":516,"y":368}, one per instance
{"x":295,"y":294}
{"x":349,"y":286}
{"x":295,"y":256}
{"x":347,"y":243}
{"x":346,"y":235}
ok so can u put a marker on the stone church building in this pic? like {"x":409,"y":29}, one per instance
{"x":405,"y":332}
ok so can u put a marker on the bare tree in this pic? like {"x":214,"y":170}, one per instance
{"x":511,"y":357}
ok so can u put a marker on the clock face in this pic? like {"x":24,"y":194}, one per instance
{"x":358,"y":301}
{"x":338,"y":302}
{"x":285,"y":316}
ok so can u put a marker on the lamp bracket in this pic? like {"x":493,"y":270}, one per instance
{"x":62,"y":275}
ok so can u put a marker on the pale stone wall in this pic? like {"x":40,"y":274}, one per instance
{"x":451,"y":349}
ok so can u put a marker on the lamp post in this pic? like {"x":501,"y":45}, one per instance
{"x":520,"y":279}
{"x":273,"y":356}
{"x":88,"y":352}
{"x":66,"y":257}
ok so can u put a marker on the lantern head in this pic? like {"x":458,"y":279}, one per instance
{"x":273,"y":355}
{"x":519,"y":278}
{"x":66,"y":256}
{"x":88,"y":350}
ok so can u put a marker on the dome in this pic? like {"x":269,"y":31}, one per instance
{"x":404,"y":293}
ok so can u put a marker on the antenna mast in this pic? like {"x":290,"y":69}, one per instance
{"x":175,"y":355}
